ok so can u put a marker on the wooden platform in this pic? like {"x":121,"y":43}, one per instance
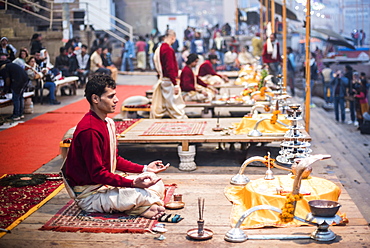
{"x":134,"y":134}
{"x":216,"y":215}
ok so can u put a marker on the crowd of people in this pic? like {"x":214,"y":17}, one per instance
{"x":347,"y":90}
{"x":74,"y":59}
{"x":231,"y":53}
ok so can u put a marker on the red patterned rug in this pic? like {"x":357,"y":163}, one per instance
{"x":23,"y":194}
{"x":72,"y":219}
{"x":124,"y":124}
{"x":175,"y":128}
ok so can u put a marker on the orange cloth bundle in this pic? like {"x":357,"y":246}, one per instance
{"x":247,"y":124}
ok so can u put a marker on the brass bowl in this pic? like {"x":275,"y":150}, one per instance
{"x":324,"y":208}
{"x":294,"y":106}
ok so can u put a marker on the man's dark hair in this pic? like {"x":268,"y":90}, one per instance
{"x":97,"y":84}
{"x":191,"y":58}
{"x":62,"y":49}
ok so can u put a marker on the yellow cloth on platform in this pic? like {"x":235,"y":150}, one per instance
{"x":247,"y":124}
{"x":263,"y":192}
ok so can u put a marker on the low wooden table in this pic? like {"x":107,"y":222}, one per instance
{"x":208,"y":107}
{"x":186,"y":152}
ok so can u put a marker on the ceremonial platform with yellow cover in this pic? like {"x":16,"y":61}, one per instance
{"x":273,"y":193}
{"x":265,"y":125}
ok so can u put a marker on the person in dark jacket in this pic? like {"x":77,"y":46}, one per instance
{"x":7,"y":48}
{"x":339,"y":86}
{"x":351,"y":92}
{"x":15,"y":81}
{"x":36,"y":45}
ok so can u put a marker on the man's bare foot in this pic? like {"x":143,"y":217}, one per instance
{"x":154,"y":212}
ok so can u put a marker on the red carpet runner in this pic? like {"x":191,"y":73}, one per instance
{"x":27,"y":146}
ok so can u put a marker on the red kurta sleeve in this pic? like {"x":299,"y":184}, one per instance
{"x":200,"y":82}
{"x":207,"y":69}
{"x":169,"y":62}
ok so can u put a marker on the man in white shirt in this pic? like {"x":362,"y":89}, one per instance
{"x":82,"y":71}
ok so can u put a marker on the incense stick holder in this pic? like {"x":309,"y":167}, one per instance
{"x":200,"y":227}
{"x":217,"y":128}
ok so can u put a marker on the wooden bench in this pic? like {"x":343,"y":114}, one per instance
{"x":72,"y":81}
{"x":67,"y":81}
{"x":28,"y":108}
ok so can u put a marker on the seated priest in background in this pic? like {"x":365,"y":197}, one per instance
{"x":192,"y":87}
{"x":94,"y":173}
{"x":208,"y":74}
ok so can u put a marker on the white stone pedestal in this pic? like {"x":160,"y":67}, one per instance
{"x":187,"y":158}
{"x":28,"y":105}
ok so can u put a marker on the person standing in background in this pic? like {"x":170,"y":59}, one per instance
{"x":151,"y":52}
{"x":128,"y":54}
{"x":271,"y":56}
{"x":167,"y":96}
{"x":291,"y":70}
{"x":257,"y":46}
{"x":327,"y":77}
{"x":219,"y":45}
{"x":360,"y":95}
{"x":141,"y":54}
{"x":15,"y":81}
{"x":339,"y":85}
{"x":350,"y":97}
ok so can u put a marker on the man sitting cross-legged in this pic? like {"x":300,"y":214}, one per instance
{"x":93,"y":171}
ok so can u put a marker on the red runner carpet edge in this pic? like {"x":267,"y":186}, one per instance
{"x":28,"y":146}
{"x":17,"y":203}
{"x":104,"y":225}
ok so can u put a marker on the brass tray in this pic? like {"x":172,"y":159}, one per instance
{"x":175,"y":205}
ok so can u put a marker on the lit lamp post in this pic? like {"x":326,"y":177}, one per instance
{"x":285,"y":58}
{"x":236,"y":17}
{"x":308,"y":68}
{"x":273,"y":16}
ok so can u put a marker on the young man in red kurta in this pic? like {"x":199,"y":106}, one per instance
{"x":193,"y":88}
{"x":167,"y":97}
{"x":206,"y":71}
{"x":271,"y":56}
{"x":92,"y":161}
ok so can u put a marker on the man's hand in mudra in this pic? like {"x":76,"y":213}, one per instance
{"x":157,"y":166}
{"x":145,"y":181}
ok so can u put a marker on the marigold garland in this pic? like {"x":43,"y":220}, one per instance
{"x":287,"y":214}
{"x":275,"y":116}
{"x":272,"y":161}
{"x":267,"y":108}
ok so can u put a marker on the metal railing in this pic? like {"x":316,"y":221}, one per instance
{"x":51,"y":13}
